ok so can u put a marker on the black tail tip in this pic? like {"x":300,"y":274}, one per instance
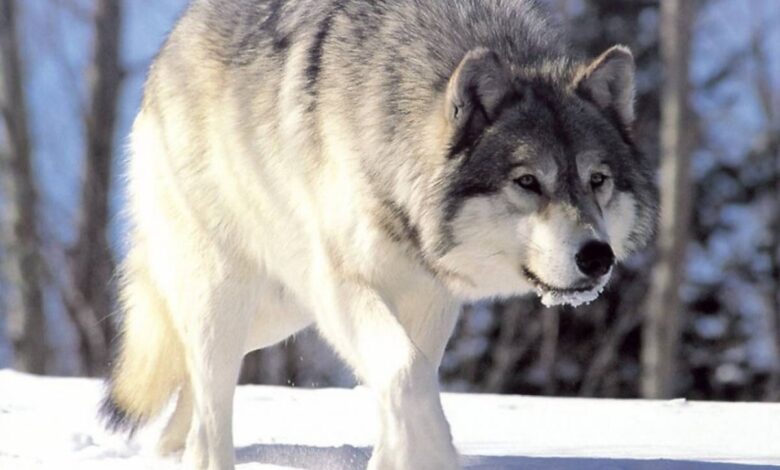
{"x":116,"y":419}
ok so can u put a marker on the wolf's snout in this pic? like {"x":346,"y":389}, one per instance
{"x":595,"y":258}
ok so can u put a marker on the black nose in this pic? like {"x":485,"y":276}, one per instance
{"x":595,"y":259}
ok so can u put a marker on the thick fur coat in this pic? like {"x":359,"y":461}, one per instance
{"x":367,"y":167}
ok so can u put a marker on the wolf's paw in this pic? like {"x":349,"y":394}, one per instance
{"x":170,"y":445}
{"x":422,"y":458}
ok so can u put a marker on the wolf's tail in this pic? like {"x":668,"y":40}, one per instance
{"x":149,"y":365}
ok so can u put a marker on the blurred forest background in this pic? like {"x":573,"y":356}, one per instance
{"x":698,"y":316}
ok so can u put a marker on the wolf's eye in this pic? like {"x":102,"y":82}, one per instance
{"x":529,"y":183}
{"x":597,"y":180}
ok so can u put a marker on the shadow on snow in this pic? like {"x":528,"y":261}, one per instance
{"x":354,"y":458}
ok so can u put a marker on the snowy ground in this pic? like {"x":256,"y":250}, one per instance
{"x":48,"y":423}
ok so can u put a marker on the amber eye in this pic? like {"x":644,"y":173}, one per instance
{"x":597,"y":180}
{"x":529,"y":183}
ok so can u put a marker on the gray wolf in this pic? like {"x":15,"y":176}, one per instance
{"x":366,"y":167}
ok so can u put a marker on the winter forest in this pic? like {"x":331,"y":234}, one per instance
{"x":696,"y":316}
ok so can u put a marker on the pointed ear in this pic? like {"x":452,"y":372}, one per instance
{"x":608,"y":81}
{"x":476,"y":91}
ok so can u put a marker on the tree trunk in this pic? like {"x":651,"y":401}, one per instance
{"x":89,"y":297}
{"x":252,"y":368}
{"x":773,"y":393}
{"x":23,"y":264}
{"x":770,"y":148}
{"x":661,"y":331}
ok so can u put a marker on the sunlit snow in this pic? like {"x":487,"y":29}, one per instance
{"x":49,"y":423}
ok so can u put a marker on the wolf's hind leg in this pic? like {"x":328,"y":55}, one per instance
{"x":174,"y":436}
{"x":215,"y":335}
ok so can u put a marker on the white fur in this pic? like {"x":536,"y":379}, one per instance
{"x":244,"y":261}
{"x":620,"y":220}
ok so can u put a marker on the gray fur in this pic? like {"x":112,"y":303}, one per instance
{"x":383,"y":64}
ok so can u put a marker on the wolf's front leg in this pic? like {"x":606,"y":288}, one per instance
{"x":414,"y":433}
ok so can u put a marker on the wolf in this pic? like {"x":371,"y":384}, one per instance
{"x":368,"y":167}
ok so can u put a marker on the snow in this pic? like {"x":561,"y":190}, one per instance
{"x":48,"y":423}
{"x":575,"y":299}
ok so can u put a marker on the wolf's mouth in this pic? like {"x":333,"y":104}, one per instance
{"x":574,"y":295}
{"x":556,"y":290}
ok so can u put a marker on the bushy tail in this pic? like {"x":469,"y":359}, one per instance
{"x":149,"y":365}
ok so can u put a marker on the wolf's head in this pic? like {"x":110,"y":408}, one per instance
{"x":544,"y":188}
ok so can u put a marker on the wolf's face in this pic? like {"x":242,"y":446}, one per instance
{"x":546,"y":191}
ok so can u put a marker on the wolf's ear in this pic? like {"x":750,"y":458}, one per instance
{"x":608,"y":81}
{"x":476,"y":91}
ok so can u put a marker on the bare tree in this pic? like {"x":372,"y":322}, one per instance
{"x":89,"y":296}
{"x":517,"y":337}
{"x":23,"y":263}
{"x":661,"y":330}
{"x":768,"y":146}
